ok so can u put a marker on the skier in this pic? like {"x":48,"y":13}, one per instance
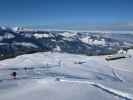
{"x":14,"y":74}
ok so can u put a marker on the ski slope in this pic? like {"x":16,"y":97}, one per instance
{"x":62,"y":76}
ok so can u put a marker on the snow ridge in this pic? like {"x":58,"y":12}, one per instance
{"x":112,"y":91}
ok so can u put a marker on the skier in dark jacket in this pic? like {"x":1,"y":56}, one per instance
{"x":14,"y":74}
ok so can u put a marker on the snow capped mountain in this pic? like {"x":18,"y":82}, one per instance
{"x":15,"y":29}
{"x":89,"y":40}
{"x":68,"y":34}
{"x":56,"y":65}
{"x":5,"y":28}
{"x":25,"y":44}
{"x":17,"y":41}
{"x":9,"y":36}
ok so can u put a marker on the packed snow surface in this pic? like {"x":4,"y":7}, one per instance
{"x":62,"y":76}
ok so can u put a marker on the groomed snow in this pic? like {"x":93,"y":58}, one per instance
{"x":62,"y":76}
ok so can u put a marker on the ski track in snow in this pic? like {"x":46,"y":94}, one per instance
{"x":116,"y":75}
{"x":112,"y":91}
{"x":45,"y":71}
{"x":69,"y":71}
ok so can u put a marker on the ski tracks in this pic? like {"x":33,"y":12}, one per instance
{"x":115,"y":92}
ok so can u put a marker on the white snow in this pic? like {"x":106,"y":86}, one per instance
{"x":15,"y":29}
{"x":99,"y":42}
{"x":57,"y":49}
{"x":8,"y":36}
{"x":90,"y":41}
{"x":85,"y":40}
{"x":60,"y":78}
{"x":3,"y":27}
{"x":41,"y":35}
{"x":104,"y":88}
{"x":27,"y":44}
{"x":68,"y":34}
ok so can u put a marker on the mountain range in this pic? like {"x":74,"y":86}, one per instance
{"x":14,"y":42}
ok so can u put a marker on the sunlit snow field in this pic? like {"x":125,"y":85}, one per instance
{"x":62,"y":76}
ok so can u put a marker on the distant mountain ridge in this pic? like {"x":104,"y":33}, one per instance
{"x":14,"y":42}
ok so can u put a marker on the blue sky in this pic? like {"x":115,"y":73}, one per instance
{"x":91,"y":14}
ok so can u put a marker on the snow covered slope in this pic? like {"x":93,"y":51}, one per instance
{"x":62,"y":76}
